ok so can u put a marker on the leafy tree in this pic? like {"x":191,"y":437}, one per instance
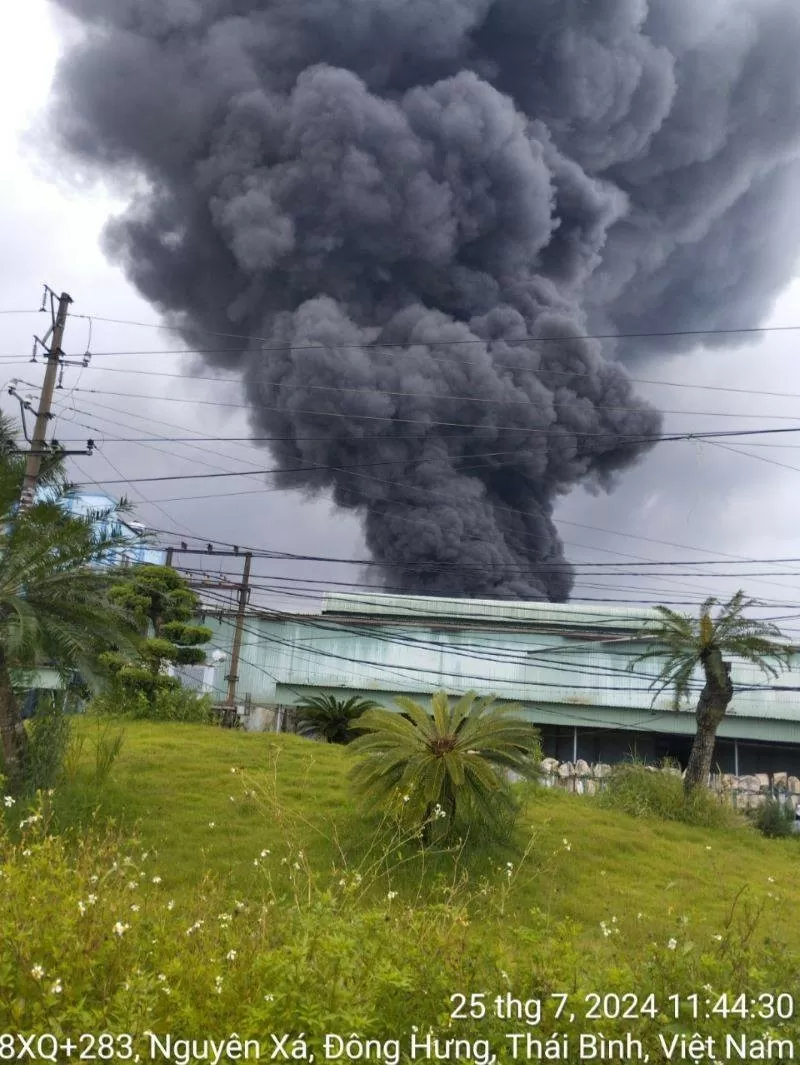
{"x":55,"y":604}
{"x":684,"y":643}
{"x":445,"y":771}
{"x":162,"y":607}
{"x":330,"y":717}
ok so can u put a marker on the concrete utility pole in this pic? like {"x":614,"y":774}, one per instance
{"x":244,"y":595}
{"x":243,"y":588}
{"x":43,"y":415}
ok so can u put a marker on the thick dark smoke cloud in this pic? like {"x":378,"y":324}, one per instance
{"x":394,"y":193}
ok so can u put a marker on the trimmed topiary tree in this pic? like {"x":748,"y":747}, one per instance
{"x":162,"y":606}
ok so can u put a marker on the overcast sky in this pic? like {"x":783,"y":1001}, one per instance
{"x":686,"y":500}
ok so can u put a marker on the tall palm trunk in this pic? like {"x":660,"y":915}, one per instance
{"x":714,"y":699}
{"x":13,"y":738}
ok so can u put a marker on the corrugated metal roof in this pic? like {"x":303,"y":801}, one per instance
{"x":533,"y":613}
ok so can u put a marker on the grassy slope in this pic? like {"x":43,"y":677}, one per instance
{"x":173,"y":780}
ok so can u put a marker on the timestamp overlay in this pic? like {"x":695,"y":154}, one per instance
{"x":483,"y":1028}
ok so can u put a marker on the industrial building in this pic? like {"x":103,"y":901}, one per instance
{"x":568,"y":665}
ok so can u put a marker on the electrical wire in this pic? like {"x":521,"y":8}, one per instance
{"x":453,"y":343}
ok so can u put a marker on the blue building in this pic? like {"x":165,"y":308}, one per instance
{"x":566,"y":664}
{"x":140,"y":551}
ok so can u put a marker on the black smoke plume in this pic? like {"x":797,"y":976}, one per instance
{"x":396,"y":195}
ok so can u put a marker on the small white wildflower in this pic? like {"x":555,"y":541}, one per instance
{"x":718,"y":938}
{"x":144,"y":856}
{"x":37,"y":972}
{"x":161,"y":977}
{"x":342,"y":882}
{"x":256,"y":862}
{"x":269,"y":998}
{"x":406,"y":798}
{"x":156,"y":880}
{"x":505,"y":976}
{"x":56,"y":988}
{"x":171,"y":904}
{"x":81,"y":907}
{"x":265,"y":853}
{"x":27,"y":853}
{"x":602,"y":872}
{"x":231,"y":955}
{"x":296,"y":865}
{"x":613,"y":920}
{"x":120,"y":929}
{"x":672,"y":944}
{"x":239,"y":906}
{"x":135,"y":907}
{"x":639,"y":916}
{"x":708,"y":848}
{"x":707,"y":987}
{"x":225,"y":918}
{"x":770,"y":879}
{"x":284,"y":861}
{"x":391,"y":895}
{"x":91,"y":899}
{"x":233,"y":769}
{"x":218,"y":985}
{"x":132,"y":885}
{"x":128,"y":860}
{"x":93,"y":879}
{"x":9,"y":801}
{"x":232,"y":798}
{"x":212,"y":824}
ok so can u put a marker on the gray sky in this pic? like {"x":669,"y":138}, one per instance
{"x":697,"y":495}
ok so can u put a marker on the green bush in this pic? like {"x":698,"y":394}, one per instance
{"x":48,"y":740}
{"x":774,"y":819}
{"x":649,"y":791}
{"x":173,"y":704}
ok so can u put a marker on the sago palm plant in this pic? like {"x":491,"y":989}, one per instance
{"x":331,"y":718}
{"x":445,"y":771}
{"x":684,"y":642}
{"x":54,"y":603}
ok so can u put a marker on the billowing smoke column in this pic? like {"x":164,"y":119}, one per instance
{"x":396,"y":195}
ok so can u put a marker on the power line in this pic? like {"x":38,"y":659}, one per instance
{"x":434,"y":396}
{"x":525,"y":401}
{"x":452,"y":343}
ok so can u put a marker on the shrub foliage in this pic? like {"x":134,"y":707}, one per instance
{"x":446,"y":770}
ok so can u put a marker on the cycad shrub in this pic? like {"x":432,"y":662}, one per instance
{"x":446,"y":772}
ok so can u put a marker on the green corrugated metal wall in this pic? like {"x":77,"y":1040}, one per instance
{"x":563,"y":677}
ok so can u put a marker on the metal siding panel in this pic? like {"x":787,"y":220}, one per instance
{"x":572,"y":679}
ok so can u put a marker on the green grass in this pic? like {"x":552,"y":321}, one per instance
{"x":123,"y":910}
{"x":289,"y":794}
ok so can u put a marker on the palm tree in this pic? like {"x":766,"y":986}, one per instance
{"x":448,"y":765}
{"x":330,"y":717}
{"x":685,"y":642}
{"x":54,"y":604}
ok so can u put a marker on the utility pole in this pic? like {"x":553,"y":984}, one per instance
{"x":43,"y":415}
{"x":243,"y":588}
{"x":244,"y":595}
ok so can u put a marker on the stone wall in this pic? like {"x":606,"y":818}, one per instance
{"x":746,"y":793}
